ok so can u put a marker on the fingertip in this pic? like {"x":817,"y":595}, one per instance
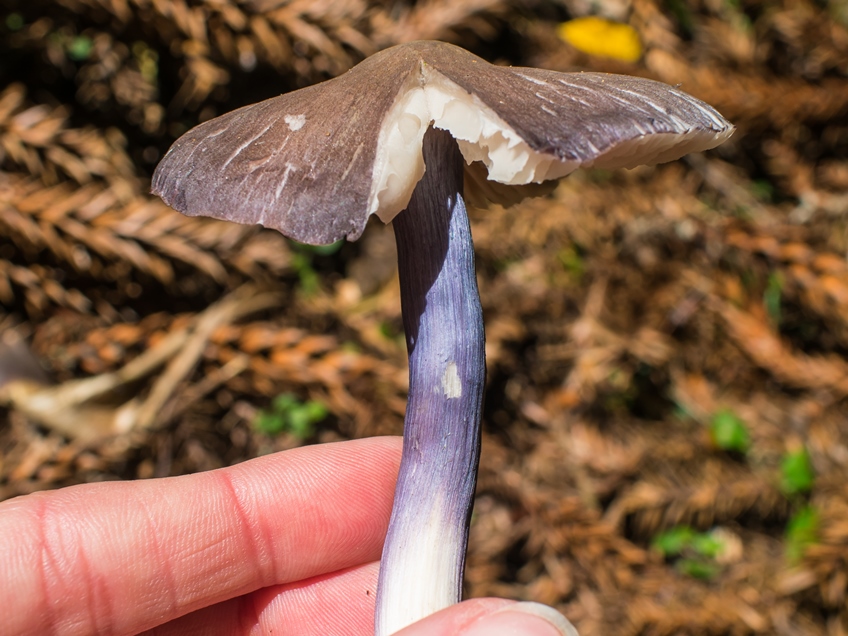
{"x":493,"y":617}
{"x":522,"y":619}
{"x":456,"y":618}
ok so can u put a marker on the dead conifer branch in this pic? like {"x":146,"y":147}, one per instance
{"x":71,"y":408}
{"x":39,"y":287}
{"x":712,"y":499}
{"x":94,"y":208}
{"x":313,"y":39}
{"x":769,"y":352}
{"x":437,"y":20}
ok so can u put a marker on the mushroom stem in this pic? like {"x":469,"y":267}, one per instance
{"x":424,"y":554}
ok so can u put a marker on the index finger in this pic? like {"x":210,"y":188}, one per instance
{"x":122,"y":557}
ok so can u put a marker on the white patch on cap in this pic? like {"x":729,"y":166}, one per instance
{"x":294,"y":122}
{"x":451,"y":384}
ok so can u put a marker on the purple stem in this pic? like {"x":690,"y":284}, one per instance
{"x":424,"y":555}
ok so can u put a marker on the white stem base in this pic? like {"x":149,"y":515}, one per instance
{"x":422,"y":579}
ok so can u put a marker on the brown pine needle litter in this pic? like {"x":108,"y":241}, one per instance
{"x":665,"y":445}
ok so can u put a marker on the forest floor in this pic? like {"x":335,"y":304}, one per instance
{"x":665,"y":443}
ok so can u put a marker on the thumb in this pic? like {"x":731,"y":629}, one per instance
{"x":493,"y":617}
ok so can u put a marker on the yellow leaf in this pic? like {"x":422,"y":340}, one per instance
{"x":601,"y":37}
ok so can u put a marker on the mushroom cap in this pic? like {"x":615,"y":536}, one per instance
{"x":317,"y":162}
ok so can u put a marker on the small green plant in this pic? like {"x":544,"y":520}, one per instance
{"x":302,"y":263}
{"x":80,"y":48}
{"x":388,"y":330}
{"x":672,"y":542}
{"x":599,"y":175}
{"x":801,"y":532}
{"x":698,"y":569}
{"x":77,"y":47}
{"x":572,"y":262}
{"x":772,"y":296}
{"x":289,"y":415}
{"x":15,"y":21}
{"x":736,"y":16}
{"x":796,"y":472}
{"x":147,"y":60}
{"x":694,"y":552}
{"x":683,"y":14}
{"x":763,"y":190}
{"x":708,"y":544}
{"x":728,"y":432}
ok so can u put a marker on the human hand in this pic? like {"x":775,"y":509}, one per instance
{"x":285,"y":544}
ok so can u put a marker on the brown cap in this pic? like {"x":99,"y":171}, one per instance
{"x":316,"y":163}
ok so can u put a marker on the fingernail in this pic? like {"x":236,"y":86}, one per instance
{"x":523,"y":619}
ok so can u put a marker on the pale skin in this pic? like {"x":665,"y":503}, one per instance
{"x":284,"y":544}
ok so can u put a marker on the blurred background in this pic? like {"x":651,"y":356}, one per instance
{"x":665,"y":445}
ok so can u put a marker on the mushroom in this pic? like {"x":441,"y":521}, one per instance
{"x":316,"y":163}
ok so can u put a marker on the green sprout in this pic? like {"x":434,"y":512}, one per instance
{"x":735,"y":15}
{"x":77,"y":47}
{"x":302,"y":263}
{"x":698,"y":569}
{"x":388,"y":330}
{"x":572,"y":262}
{"x":147,"y":60}
{"x":15,"y":21}
{"x":801,"y":532}
{"x":683,"y":14}
{"x":708,"y":544}
{"x":80,"y":47}
{"x":729,"y":432}
{"x":289,"y":415}
{"x":763,"y":190}
{"x":673,"y":542}
{"x":599,"y":175}
{"x":694,"y":552}
{"x":772,"y":296}
{"x":796,"y":472}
